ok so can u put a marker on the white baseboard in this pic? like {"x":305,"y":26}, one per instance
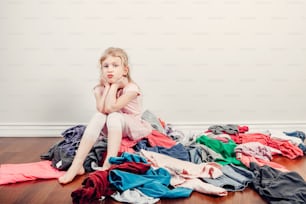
{"x":55,"y":130}
{"x":33,"y":130}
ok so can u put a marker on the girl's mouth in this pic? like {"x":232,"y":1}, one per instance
{"x":110,"y":76}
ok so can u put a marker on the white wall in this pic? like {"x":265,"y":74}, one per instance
{"x":198,"y":62}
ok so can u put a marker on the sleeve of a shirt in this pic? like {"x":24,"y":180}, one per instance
{"x":132,"y":88}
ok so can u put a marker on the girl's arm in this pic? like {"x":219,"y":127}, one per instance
{"x":100,"y":93}
{"x":113,"y":104}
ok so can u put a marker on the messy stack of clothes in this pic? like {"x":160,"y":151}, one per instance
{"x":171,"y":164}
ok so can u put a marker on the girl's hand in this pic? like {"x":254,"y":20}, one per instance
{"x":122,"y":82}
{"x":98,"y":89}
{"x":103,"y":82}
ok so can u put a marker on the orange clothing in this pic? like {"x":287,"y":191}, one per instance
{"x":155,"y":139}
{"x":13,"y":173}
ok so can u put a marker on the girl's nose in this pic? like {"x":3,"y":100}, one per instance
{"x":110,"y":68}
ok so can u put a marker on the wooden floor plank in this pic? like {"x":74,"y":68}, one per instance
{"x":24,"y":150}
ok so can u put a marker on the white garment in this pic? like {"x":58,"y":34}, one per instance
{"x":279,"y":135}
{"x":134,"y":196}
{"x":202,"y":187}
{"x":184,"y":169}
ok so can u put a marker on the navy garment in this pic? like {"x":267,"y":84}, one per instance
{"x":62,"y":153}
{"x":278,"y":187}
{"x":74,"y":133}
{"x":303,"y":148}
{"x":301,"y":135}
{"x":298,"y":134}
{"x":72,"y":137}
{"x":178,"y":151}
{"x":61,"y":159}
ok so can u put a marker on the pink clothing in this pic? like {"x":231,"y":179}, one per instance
{"x":288,"y":150}
{"x":251,"y":137}
{"x":13,"y":173}
{"x":155,"y":139}
{"x":159,"y":139}
{"x":258,"y":153}
{"x":134,"y":107}
{"x":135,"y":127}
{"x":246,"y":160}
{"x":257,"y":150}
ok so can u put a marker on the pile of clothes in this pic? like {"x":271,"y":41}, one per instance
{"x":171,"y":164}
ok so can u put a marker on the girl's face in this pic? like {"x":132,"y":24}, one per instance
{"x":113,"y":69}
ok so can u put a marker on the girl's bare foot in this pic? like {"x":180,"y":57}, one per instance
{"x":70,"y":175}
{"x":106,"y":165}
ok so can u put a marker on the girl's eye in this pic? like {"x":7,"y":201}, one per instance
{"x":115,"y":65}
{"x":105,"y":66}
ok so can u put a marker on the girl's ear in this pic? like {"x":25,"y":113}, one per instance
{"x":125,"y":70}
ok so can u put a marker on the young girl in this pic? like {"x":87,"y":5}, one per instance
{"x":118,"y":101}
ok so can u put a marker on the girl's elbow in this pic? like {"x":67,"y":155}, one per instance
{"x":101,"y":109}
{"x":109,"y":110}
{"x":106,"y":111}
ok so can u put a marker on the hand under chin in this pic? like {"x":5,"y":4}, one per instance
{"x":111,"y":81}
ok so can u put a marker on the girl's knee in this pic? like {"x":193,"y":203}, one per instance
{"x":99,"y":116}
{"x":114,"y":116}
{"x":115,"y":119}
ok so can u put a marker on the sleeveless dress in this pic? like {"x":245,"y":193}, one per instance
{"x":135,"y":127}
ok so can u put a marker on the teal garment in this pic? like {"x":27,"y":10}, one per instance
{"x":227,"y":150}
{"x":127,"y":157}
{"x":154,"y":183}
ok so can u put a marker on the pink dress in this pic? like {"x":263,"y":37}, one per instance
{"x":135,"y":127}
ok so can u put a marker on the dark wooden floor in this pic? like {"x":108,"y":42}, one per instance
{"x":23,"y":150}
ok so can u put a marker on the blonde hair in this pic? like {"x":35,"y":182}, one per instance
{"x":117,"y":52}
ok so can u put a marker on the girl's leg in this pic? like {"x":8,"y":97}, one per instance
{"x":115,"y":124}
{"x":89,"y":138}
